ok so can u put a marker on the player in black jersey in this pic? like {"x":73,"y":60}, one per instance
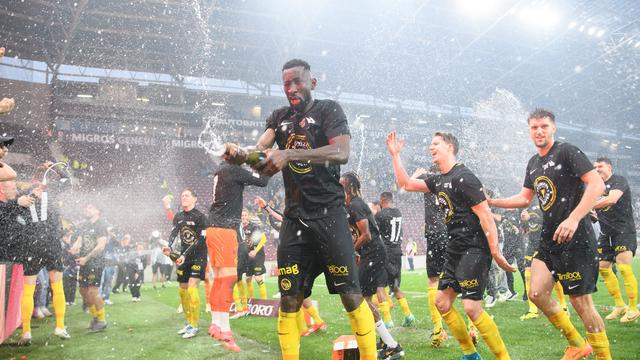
{"x":473,"y":240}
{"x":389,"y":220}
{"x":189,"y":228}
{"x":372,"y":258}
{"x":557,"y":174}
{"x":89,"y":247}
{"x":229,"y":182}
{"x":313,"y":141}
{"x":618,"y":240}
{"x":254,"y":239}
{"x":305,"y":326}
{"x":435,"y":234}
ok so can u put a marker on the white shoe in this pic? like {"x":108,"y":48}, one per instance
{"x":179,"y":311}
{"x":191,"y":332}
{"x":46,"y":311}
{"x":208,"y":308}
{"x":489,"y":301}
{"x":38,"y":314}
{"x":25,"y":340}
{"x":276,"y":296}
{"x":184,"y":329}
{"x":61,"y":333}
{"x":108,"y":302}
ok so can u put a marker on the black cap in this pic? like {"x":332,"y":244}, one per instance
{"x":6,"y":140}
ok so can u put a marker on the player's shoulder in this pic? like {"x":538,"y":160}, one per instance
{"x":280,"y":113}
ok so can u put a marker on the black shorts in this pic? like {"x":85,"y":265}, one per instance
{"x":33,"y":264}
{"x":90,"y":275}
{"x":394,"y":270}
{"x":191,"y":269}
{"x":577,"y":270}
{"x":531,"y":249}
{"x":156,"y":267}
{"x":372,"y":274}
{"x":436,"y":249}
{"x":610,"y":245}
{"x":243,"y":260}
{"x":255,"y":266}
{"x":466,"y":273}
{"x":311,"y":247}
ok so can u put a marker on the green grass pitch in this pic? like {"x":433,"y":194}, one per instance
{"x":147,"y":330}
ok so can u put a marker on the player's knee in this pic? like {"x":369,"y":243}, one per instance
{"x":289,"y":303}
{"x":473,"y":309}
{"x":443,"y":304}
{"x":351,"y":301}
{"x":538,"y":297}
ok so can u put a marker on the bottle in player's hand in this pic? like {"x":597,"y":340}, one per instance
{"x":239,"y":156}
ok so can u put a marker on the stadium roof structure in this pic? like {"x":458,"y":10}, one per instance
{"x":586,"y":66}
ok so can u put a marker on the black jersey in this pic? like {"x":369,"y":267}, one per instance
{"x":555,"y":178}
{"x":433,"y":213}
{"x":617,"y":218}
{"x":251,"y":234}
{"x":389,"y":222}
{"x":358,"y":210}
{"x":190,"y":227}
{"x":90,"y":233}
{"x":228,"y":186}
{"x":533,"y":227}
{"x":457,"y":192}
{"x":311,"y":190}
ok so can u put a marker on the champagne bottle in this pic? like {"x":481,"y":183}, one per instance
{"x":239,"y":156}
{"x":255,"y":157}
{"x":174,"y":256}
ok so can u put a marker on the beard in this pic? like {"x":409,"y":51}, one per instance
{"x":302,"y":104}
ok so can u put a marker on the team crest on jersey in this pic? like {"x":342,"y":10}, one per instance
{"x":296,"y":141}
{"x":187,"y":235}
{"x":445,"y":203}
{"x":546,"y":191}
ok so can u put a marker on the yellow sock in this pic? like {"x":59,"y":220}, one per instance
{"x":489,"y":332}
{"x":404,"y":305}
{"x":194,"y":306}
{"x":100,"y":314}
{"x":242,"y":290}
{"x":385,"y":309}
{"x":315,"y":315}
{"x":250,"y":290}
{"x":364,"y":328}
{"x":263,"y":289}
{"x":184,"y":301}
{"x":26,"y":305}
{"x":300,"y":321}
{"x":59,"y":303}
{"x":527,"y":278}
{"x":459,"y":330}
{"x":600,"y":345}
{"x":93,"y":311}
{"x":236,"y":297}
{"x":436,"y":318}
{"x":630,"y":285}
{"x":611,"y":282}
{"x":560,"y":294}
{"x":561,"y":322}
{"x":288,"y":335}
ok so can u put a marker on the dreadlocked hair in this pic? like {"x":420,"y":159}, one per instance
{"x":353,"y":184}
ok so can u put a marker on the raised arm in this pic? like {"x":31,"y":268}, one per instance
{"x":404,"y":181}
